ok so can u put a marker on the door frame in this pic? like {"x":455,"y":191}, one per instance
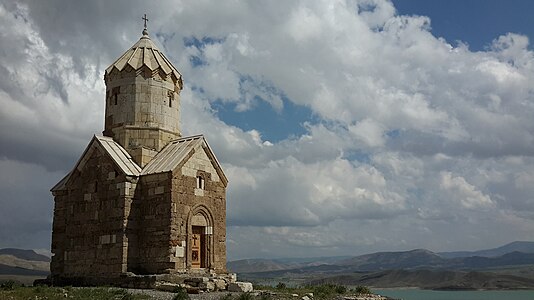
{"x":206,"y":237}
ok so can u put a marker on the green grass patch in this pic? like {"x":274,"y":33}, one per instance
{"x":9,"y":285}
{"x":361,"y":290}
{"x":180,"y":294}
{"x":284,"y":289}
{"x":57,"y":293}
{"x":328,"y":291}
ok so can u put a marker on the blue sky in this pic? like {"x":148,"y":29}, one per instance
{"x":344,"y":127}
{"x":476,"y":22}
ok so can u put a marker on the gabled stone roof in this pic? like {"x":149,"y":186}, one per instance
{"x":118,"y":154}
{"x":179,"y":150}
{"x":170,"y":157}
{"x":145,"y":53}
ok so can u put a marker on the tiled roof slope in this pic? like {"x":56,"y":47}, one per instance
{"x":165,"y":161}
{"x":177,"y":151}
{"x":118,"y":154}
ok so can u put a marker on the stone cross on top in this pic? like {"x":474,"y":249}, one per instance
{"x":145,"y":19}
{"x":145,"y":31}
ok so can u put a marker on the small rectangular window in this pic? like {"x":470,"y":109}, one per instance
{"x":115,"y":95}
{"x":200,"y":182}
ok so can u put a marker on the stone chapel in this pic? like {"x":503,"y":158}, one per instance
{"x":142,"y":198}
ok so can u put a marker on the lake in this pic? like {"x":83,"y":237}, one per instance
{"x":415,"y":294}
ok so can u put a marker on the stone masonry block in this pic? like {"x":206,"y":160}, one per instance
{"x":244,"y":287}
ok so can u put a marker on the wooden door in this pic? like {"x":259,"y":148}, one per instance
{"x":196,"y":248}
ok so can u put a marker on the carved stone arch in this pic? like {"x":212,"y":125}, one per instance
{"x":202,"y":210}
{"x":200,"y":223}
{"x":199,"y":219}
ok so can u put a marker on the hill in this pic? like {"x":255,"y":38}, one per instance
{"x":428,"y":279}
{"x":253,"y":265}
{"x":418,"y":258}
{"x":10,"y":270}
{"x":279,"y":264}
{"x":415,"y":268}
{"x":406,"y":260}
{"x":512,"y":254}
{"x":24,"y":254}
{"x":518,"y":246}
{"x":23,"y":265}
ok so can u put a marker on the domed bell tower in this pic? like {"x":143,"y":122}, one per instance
{"x":142,"y":100}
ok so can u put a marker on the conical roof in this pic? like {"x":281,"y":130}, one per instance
{"x":145,"y":53}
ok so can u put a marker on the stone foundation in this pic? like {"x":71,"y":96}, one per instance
{"x":193,"y":283}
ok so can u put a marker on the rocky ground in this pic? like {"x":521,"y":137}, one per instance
{"x":12,"y":291}
{"x":162,"y":295}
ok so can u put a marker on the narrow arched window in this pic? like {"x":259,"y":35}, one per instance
{"x":170,"y":95}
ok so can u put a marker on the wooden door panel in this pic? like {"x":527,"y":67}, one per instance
{"x":196,"y":247}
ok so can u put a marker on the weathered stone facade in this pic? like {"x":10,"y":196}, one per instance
{"x":141,"y":199}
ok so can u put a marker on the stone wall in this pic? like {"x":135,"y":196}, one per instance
{"x":153,"y":200}
{"x":89,"y":216}
{"x":188,"y":200}
{"x":107,"y":224}
{"x":164,"y":206}
{"x":142,"y":108}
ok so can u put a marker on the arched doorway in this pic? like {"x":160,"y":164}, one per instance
{"x":200,"y":239}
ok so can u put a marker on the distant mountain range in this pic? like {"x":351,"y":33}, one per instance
{"x":431,"y":279}
{"x":261,"y":265}
{"x":23,"y":265}
{"x":24,"y":254}
{"x":520,"y":246}
{"x":509,"y":266}
{"x":515,"y":253}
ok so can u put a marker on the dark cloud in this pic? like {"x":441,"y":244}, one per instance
{"x":26,"y":214}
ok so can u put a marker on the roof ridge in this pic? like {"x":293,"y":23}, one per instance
{"x":172,"y":154}
{"x":187,"y":137}
{"x":178,"y":150}
{"x":103,"y":137}
{"x":126,"y":162}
